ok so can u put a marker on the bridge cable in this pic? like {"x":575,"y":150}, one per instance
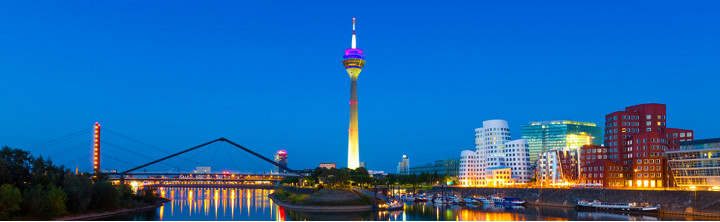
{"x":212,"y":159}
{"x":232,"y":159}
{"x":193,"y":156}
{"x":47,"y":144}
{"x":133,"y":152}
{"x":145,"y":144}
{"x":108,"y":156}
{"x":66,"y":150}
{"x":75,"y":161}
{"x":173,"y":155}
{"x":247,"y":157}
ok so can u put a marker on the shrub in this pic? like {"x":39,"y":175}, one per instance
{"x":10,"y":200}
{"x":56,"y":201}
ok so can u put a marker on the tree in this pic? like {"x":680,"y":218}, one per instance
{"x":79,"y":192}
{"x":10,"y":200}
{"x":17,"y":164}
{"x":105,"y":196}
{"x":56,"y":201}
{"x":35,"y":203}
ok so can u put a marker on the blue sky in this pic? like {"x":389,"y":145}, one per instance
{"x":267,"y":74}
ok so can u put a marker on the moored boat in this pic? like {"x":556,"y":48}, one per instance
{"x":497,"y":199}
{"x":595,"y":205}
{"x":511,"y":201}
{"x":394,"y":205}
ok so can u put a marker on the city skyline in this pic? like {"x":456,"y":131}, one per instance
{"x":194,"y":75}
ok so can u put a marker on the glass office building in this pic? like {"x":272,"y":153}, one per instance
{"x":565,"y":135}
{"x":697,"y":163}
{"x":441,"y":167}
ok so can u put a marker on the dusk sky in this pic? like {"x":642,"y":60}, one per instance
{"x":268,"y":75}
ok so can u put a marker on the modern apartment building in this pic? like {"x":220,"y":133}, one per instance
{"x":497,"y":160}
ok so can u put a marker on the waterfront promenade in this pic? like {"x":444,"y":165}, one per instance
{"x":701,"y":203}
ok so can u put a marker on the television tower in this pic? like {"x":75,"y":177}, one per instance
{"x":353,"y":60}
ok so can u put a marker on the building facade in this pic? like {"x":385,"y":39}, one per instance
{"x":696,"y":164}
{"x":403,"y":167}
{"x":441,"y":167}
{"x":495,"y":151}
{"x":327,"y":165}
{"x":557,"y":168}
{"x":636,"y":139}
{"x":281,"y":158}
{"x":560,"y":135}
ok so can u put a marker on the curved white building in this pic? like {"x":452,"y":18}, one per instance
{"x":517,"y":157}
{"x":494,"y":155}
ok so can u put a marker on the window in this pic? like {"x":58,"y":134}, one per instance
{"x":648,"y":130}
{"x":648,"y":117}
{"x":639,"y":161}
{"x":648,"y":123}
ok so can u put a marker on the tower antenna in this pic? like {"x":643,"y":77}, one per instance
{"x":353,"y":36}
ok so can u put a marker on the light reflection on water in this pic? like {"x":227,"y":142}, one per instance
{"x":254,"y":204}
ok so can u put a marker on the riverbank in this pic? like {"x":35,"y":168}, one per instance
{"x":320,"y":209}
{"x":324,"y":200}
{"x":100,"y":215}
{"x":672,"y":202}
{"x":252,"y":186}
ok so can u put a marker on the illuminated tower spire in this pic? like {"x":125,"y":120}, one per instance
{"x":353,"y":37}
{"x":353,"y":60}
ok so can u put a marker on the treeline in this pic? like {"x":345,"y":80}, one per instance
{"x":344,"y":178}
{"x":333,"y":177}
{"x":34,"y":188}
{"x":423,"y":179}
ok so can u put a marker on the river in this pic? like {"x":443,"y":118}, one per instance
{"x":253,"y":204}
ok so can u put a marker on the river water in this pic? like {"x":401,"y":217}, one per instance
{"x":254,"y":204}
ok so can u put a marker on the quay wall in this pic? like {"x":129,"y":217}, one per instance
{"x":254,"y":186}
{"x":669,"y":200}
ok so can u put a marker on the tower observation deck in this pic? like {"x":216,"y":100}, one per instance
{"x":353,"y":60}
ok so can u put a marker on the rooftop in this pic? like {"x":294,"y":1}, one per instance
{"x":558,"y":122}
{"x":702,"y":141}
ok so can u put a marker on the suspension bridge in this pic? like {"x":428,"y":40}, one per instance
{"x":177,"y":174}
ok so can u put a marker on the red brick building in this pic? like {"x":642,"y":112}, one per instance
{"x":597,"y":167}
{"x":636,"y":139}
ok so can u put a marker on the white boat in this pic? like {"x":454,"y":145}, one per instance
{"x":471,"y":201}
{"x":497,"y":199}
{"x":394,"y":205}
{"x":486,"y":200}
{"x":408,"y":199}
{"x":421,"y":198}
{"x":441,"y":201}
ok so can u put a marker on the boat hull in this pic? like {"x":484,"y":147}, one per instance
{"x":610,"y":208}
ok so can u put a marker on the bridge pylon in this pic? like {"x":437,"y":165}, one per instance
{"x":96,"y":149}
